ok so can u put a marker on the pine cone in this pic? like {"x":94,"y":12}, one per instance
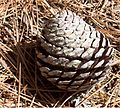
{"x":72,"y":54}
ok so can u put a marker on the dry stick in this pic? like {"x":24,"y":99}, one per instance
{"x":6,"y":12}
{"x":26,"y":65}
{"x":36,"y":60}
{"x":44,"y":2}
{"x":24,"y":90}
{"x":51,"y":90}
{"x":96,"y":106}
{"x":21,"y":56}
{"x":46,"y":95}
{"x":4,"y":56}
{"x":16,"y":23}
{"x":97,"y":22}
{"x":115,"y":63}
{"x":28,"y":55}
{"x":96,"y":91}
{"x":11,"y":90}
{"x":32,"y":101}
{"x":19,"y":87}
{"x":31,"y":24}
{"x":31,"y":19}
{"x":42,"y":96}
{"x":87,"y":97}
{"x":10,"y":30}
{"x":59,"y":100}
{"x":27,"y":25}
{"x":117,"y":101}
{"x":106,"y":104}
{"x":22,"y":32}
{"x":2,"y":44}
{"x":116,"y":75}
{"x":8,"y":59}
{"x":105,"y":2}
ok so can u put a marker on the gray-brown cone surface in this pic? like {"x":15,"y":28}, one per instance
{"x":72,"y":54}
